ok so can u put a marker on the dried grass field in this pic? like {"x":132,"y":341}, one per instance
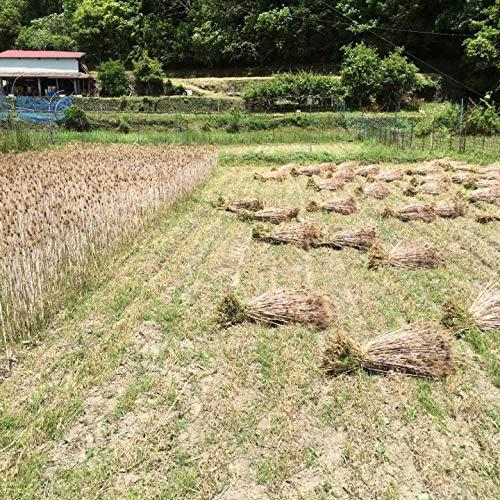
{"x":136,"y":391}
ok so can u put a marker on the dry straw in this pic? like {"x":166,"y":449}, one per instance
{"x":311,"y":170}
{"x":467,"y":179}
{"x":274,"y":215}
{"x":450,"y":209}
{"x":345,"y":206}
{"x":485,"y":218}
{"x":325,"y":185}
{"x":390,"y":176}
{"x":63,"y":209}
{"x":344,"y":176}
{"x":237,"y":204}
{"x":302,"y":234}
{"x":369,"y":170}
{"x":378,"y":190}
{"x":486,"y":195}
{"x":424,"y":169}
{"x":278,"y":307}
{"x":483,"y":314}
{"x":420,"y":350}
{"x":412,"y":255}
{"x":360,"y":239}
{"x":274,"y":175}
{"x":425,"y":212}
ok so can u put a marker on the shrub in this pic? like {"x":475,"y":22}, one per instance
{"x":398,"y":79}
{"x":123,"y":126}
{"x":233,"y":125}
{"x":76,"y":119}
{"x":428,"y":87}
{"x":298,"y":88}
{"x":361,"y":74}
{"x":149,"y":76}
{"x":482,"y":119}
{"x":171,"y":89}
{"x":113,"y":79}
{"x":443,"y":119}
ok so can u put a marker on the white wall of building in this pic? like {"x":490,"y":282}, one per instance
{"x":42,"y":65}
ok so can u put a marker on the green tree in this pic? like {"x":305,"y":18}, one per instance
{"x":149,"y":76}
{"x":361,"y":74}
{"x":106,"y":29}
{"x":398,"y":80}
{"x":113,"y":79}
{"x":51,"y":32}
{"x":10,"y":22}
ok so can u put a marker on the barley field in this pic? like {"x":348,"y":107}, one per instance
{"x":61,"y":209}
{"x":138,"y":392}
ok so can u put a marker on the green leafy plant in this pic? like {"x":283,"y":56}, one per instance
{"x":149,"y":76}
{"x":76,"y":119}
{"x":113,"y":79}
{"x":482,"y":119}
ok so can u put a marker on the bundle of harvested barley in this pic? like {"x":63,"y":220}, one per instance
{"x":424,"y":212}
{"x":414,"y":255}
{"x":309,"y":170}
{"x":326,"y":185}
{"x":488,"y":182}
{"x":274,"y":215}
{"x":410,"y":190}
{"x":483,"y":314}
{"x":237,"y":204}
{"x":421,"y":350}
{"x":490,"y":173}
{"x":451,"y":209}
{"x":464,"y":178}
{"x":278,"y":307}
{"x":451,"y":165}
{"x":424,"y":169}
{"x":360,"y":239}
{"x":274,"y":175}
{"x":348,"y":165}
{"x":374,"y":190}
{"x":346,"y":206}
{"x":487,"y":195}
{"x":485,"y":217}
{"x":302,"y":234}
{"x":368,"y":170}
{"x":390,"y":176}
{"x":433,"y":186}
{"x":342,"y":176}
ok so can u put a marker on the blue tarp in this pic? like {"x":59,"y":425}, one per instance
{"x":35,"y":109}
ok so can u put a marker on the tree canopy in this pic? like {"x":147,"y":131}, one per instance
{"x":457,"y":37}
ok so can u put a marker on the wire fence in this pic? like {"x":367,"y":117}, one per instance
{"x":29,"y":123}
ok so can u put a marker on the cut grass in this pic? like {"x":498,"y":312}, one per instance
{"x":137,"y":393}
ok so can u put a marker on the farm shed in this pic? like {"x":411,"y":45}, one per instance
{"x":44,"y":73}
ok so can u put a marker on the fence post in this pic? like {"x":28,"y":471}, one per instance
{"x":461,"y":142}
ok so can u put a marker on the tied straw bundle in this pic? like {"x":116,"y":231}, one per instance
{"x":450,"y":209}
{"x":369,"y":170}
{"x":389,"y":176}
{"x":425,"y":169}
{"x":486,"y":195}
{"x":327,"y":185}
{"x":414,"y":256}
{"x":237,"y":204}
{"x":483,"y":314}
{"x":421,"y":212}
{"x":467,"y":179}
{"x":484,"y":218}
{"x":342,"y":176}
{"x":311,"y":170}
{"x":346,"y":206}
{"x":348,"y":165}
{"x":360,"y":239}
{"x":302,"y":234}
{"x":419,"y":350}
{"x":275,"y":175}
{"x":278,"y":307}
{"x":376,"y":190}
{"x":274,"y":215}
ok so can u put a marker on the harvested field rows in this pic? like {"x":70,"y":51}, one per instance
{"x":140,"y":392}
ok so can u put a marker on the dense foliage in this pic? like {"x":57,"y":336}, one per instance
{"x":113,"y":79}
{"x":461,"y":38}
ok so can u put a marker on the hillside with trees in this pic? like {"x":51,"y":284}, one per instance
{"x":457,"y":37}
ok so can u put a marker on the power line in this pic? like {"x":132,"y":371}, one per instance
{"x":404,"y":50}
{"x":437,"y":33}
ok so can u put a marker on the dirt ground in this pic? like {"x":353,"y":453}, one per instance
{"x":136,"y":392}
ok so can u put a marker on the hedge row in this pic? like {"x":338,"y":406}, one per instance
{"x":172,"y":104}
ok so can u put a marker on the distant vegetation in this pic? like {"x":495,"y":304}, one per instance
{"x":210,"y":34}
